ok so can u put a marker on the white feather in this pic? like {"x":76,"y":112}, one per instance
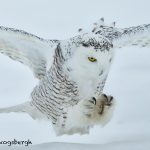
{"x":29,"y":49}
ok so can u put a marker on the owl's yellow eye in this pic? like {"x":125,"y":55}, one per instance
{"x":92,"y":59}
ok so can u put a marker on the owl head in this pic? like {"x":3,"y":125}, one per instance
{"x":87,"y":58}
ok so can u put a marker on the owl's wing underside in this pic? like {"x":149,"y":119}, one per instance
{"x":133,"y":36}
{"x":33,"y":51}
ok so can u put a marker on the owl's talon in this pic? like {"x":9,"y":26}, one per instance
{"x":108,"y":99}
{"x":93,"y":100}
{"x":111,"y":98}
{"x":105,"y":96}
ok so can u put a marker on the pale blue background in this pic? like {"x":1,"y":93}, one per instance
{"x":129,"y":78}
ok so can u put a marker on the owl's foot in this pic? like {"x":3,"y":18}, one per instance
{"x":98,"y":104}
{"x":99,"y":109}
{"x":96,"y":110}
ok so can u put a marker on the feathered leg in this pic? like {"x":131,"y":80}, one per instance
{"x":87,"y":113}
{"x":99,"y":110}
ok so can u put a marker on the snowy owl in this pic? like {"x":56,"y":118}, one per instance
{"x":71,"y":73}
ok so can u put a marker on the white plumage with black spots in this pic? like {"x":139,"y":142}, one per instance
{"x":71,"y":73}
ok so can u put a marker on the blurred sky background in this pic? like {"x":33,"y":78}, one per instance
{"x":128,"y":81}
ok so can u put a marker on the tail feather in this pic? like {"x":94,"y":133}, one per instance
{"x":25,"y":108}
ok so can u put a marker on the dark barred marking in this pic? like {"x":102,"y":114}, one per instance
{"x":49,"y":97}
{"x":22,"y":32}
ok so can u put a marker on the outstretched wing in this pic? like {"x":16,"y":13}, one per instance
{"x":31,"y":50}
{"x":133,"y":36}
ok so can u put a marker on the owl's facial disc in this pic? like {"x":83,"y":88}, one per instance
{"x":89,"y":66}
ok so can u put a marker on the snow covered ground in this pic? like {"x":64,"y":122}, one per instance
{"x":128,"y":81}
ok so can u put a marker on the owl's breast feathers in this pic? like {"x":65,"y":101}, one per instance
{"x":56,"y":92}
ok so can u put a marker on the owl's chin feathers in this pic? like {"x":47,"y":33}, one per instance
{"x":86,"y":114}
